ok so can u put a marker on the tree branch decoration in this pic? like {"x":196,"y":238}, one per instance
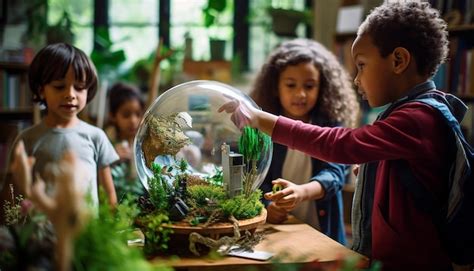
{"x":64,"y":208}
{"x":165,"y":136}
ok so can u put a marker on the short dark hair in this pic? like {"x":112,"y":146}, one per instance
{"x":414,"y":26}
{"x":121,"y":93}
{"x":52,"y":62}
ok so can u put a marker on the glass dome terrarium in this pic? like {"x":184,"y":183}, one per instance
{"x":198,"y":167}
{"x":185,"y":124}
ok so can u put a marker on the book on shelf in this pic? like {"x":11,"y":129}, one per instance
{"x":14,"y":92}
{"x":10,"y":129}
{"x":456,"y":76}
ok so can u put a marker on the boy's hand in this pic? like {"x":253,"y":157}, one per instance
{"x":289,"y":197}
{"x":242,"y":115}
{"x":275,"y":214}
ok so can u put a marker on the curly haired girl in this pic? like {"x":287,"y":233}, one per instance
{"x":303,"y":80}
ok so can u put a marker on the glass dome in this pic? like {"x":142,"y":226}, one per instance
{"x":183,"y":123}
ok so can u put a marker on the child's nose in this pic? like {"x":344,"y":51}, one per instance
{"x":70,"y":93}
{"x":301,"y":92}
{"x":357,"y":81}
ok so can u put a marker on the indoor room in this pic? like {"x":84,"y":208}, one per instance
{"x":236,"y":135}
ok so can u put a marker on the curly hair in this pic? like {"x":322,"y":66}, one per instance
{"x":337,"y":100}
{"x":52,"y":63}
{"x":414,"y":26}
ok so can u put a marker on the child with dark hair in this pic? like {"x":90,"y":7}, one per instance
{"x":126,"y":108}
{"x":302,"y":80}
{"x":398,"y":48}
{"x":64,"y":80}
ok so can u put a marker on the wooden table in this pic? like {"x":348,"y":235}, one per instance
{"x":292,"y":242}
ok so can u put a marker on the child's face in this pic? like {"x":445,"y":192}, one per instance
{"x":65,"y":98}
{"x":298,"y":90}
{"x":374,"y":73}
{"x":127,"y":118}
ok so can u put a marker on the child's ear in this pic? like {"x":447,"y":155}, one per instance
{"x":401,"y":58}
{"x":40,"y":93}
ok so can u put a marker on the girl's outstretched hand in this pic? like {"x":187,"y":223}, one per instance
{"x":288,"y":198}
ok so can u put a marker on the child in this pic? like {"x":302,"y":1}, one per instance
{"x":302,"y":80}
{"x":64,"y":80}
{"x":126,"y":108}
{"x":398,"y":49}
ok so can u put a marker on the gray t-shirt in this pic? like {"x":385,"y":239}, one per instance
{"x":89,"y":143}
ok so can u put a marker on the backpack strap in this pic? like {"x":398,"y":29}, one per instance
{"x":452,"y":110}
{"x":453,"y":113}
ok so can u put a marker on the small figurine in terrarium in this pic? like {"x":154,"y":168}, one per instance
{"x":200,"y":170}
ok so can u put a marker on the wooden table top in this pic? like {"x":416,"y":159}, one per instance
{"x":291,"y":242}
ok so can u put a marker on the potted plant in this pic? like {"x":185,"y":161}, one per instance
{"x":212,"y":14}
{"x":285,"y":21}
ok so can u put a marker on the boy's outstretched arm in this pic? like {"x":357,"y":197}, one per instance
{"x":243,"y":115}
{"x":107,"y":183}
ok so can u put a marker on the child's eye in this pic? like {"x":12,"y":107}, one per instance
{"x":309,"y":86}
{"x":290,"y":85}
{"x":80,"y":88}
{"x":58,"y":87}
{"x":360,"y":66}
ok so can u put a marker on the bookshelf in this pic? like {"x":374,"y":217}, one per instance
{"x":17,"y":111}
{"x":456,"y":76}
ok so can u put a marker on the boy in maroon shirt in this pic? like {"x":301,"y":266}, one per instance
{"x":397,"y":50}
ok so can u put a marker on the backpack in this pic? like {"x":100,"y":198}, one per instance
{"x":454,"y":218}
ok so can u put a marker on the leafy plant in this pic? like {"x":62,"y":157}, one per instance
{"x":12,"y":209}
{"x":242,"y":206}
{"x":252,"y":143}
{"x":213,"y":11}
{"x":104,"y":58}
{"x":156,"y":235}
{"x":102,"y":245}
{"x":217,"y":178}
{"x":159,"y":190}
{"x":202,"y":194}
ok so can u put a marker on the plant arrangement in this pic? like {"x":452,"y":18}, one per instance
{"x":179,"y":197}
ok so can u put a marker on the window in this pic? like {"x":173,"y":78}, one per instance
{"x":134,"y":28}
{"x":81,"y":15}
{"x":187,"y":17}
{"x":262,"y":39}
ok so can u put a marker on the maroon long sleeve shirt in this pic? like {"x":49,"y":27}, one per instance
{"x":403,"y":237}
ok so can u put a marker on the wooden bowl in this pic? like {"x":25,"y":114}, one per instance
{"x":179,"y":239}
{"x":221,"y":228}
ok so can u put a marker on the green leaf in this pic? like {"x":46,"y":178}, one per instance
{"x":218,"y":5}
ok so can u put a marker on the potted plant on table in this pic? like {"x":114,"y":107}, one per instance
{"x":212,"y":14}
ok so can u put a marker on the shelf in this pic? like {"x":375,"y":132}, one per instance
{"x":14,"y":66}
{"x":21,"y":110}
{"x":461,"y":28}
{"x":25,"y":113}
{"x":339,"y":37}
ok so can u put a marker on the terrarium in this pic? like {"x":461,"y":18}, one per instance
{"x":200,"y":170}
